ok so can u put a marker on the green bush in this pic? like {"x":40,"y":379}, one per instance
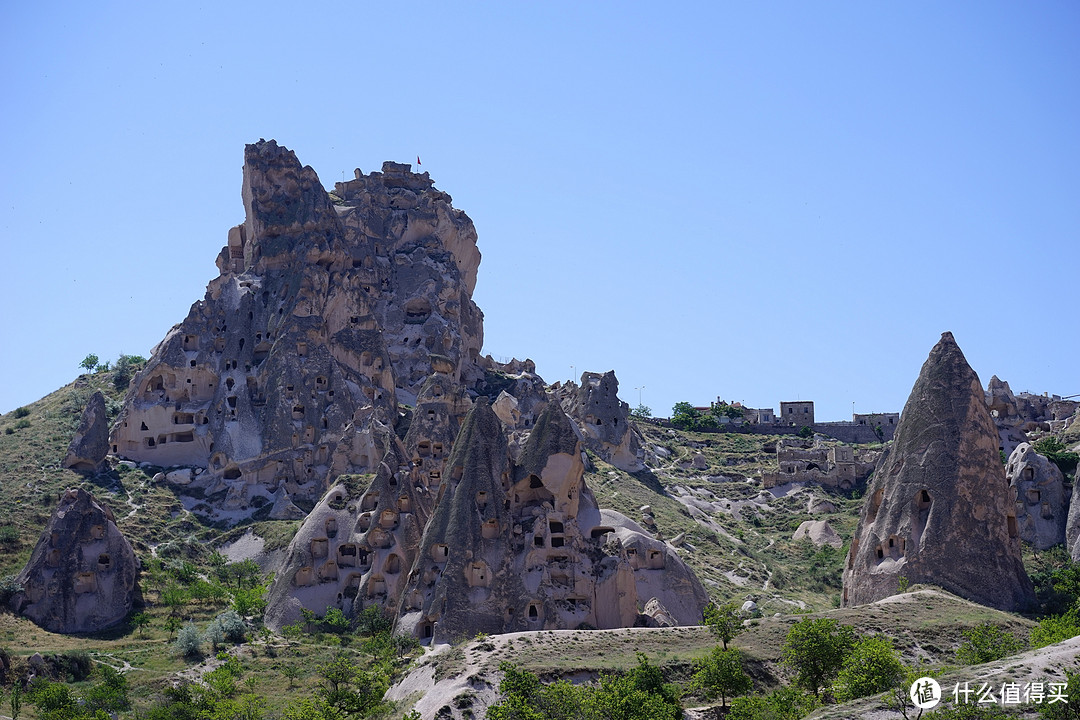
{"x":1056,"y":628}
{"x":232,"y":626}
{"x":815,"y":649}
{"x":20,"y":424}
{"x":873,"y":666}
{"x":784,"y":703}
{"x":20,"y":412}
{"x":985,"y":643}
{"x":720,"y":673}
{"x":1058,"y":453}
{"x":189,"y":641}
{"x":9,"y":535}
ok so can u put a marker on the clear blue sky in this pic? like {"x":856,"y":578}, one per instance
{"x":764,"y":202}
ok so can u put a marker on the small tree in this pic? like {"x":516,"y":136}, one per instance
{"x":642,"y":412}
{"x":806,"y":432}
{"x":214,"y":634}
{"x":89,"y":363}
{"x":815,"y":649}
{"x":720,"y":673}
{"x":724,"y":620}
{"x":873,"y":666}
{"x":232,"y":626}
{"x":140,"y":620}
{"x":16,"y":700}
{"x":986,"y":642}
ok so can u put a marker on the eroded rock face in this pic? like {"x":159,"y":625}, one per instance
{"x":88,"y":448}
{"x":324,"y":311}
{"x":939,"y":510}
{"x":81,"y":574}
{"x":1038,"y":489}
{"x":604,"y":419}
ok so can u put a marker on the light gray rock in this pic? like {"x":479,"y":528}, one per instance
{"x":819,"y":532}
{"x":1038,"y":490}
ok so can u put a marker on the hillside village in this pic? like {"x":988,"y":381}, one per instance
{"x":316,"y":480}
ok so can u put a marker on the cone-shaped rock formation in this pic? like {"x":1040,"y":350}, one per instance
{"x":939,"y":510}
{"x":81,"y":575}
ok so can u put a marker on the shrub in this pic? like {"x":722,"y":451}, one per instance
{"x":21,"y":412}
{"x":9,"y":535}
{"x":1055,"y":628}
{"x":20,"y":424}
{"x":806,"y":432}
{"x":233,"y":626}
{"x":985,"y":643}
{"x":9,"y":585}
{"x":1058,"y":453}
{"x":214,"y":634}
{"x":189,"y":641}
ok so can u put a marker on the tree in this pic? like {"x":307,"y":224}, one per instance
{"x":784,"y":703}
{"x":806,"y":432}
{"x":89,"y":363}
{"x":720,"y":673}
{"x":684,"y":416}
{"x":350,"y":689}
{"x":986,"y":642}
{"x":140,"y":620}
{"x":815,"y":649}
{"x":724,"y":620}
{"x":873,"y":666}
{"x":335,"y":621}
{"x":642,"y":412}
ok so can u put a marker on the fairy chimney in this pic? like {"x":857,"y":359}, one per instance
{"x":939,"y":509}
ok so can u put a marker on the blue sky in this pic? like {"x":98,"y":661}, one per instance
{"x":759,"y":202}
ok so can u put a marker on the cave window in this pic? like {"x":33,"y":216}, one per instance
{"x":104,"y":562}
{"x":533,"y":612}
{"x":538,"y":541}
{"x":924,"y":500}
{"x":1029,"y":473}
{"x":142,"y":426}
{"x":1013,"y":531}
{"x":301,"y":349}
{"x":535,"y":482}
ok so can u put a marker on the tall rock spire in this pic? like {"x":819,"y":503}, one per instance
{"x":939,"y":510}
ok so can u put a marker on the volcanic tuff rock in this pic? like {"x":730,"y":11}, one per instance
{"x":90,"y":445}
{"x":277,"y":397}
{"x":1038,"y":489}
{"x":81,"y":574}
{"x":939,"y":510}
{"x":323,"y":314}
{"x":604,"y":419}
{"x":818,"y":532}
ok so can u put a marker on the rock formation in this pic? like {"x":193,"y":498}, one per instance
{"x":1016,"y":415}
{"x":327,"y":308}
{"x":278,"y":397}
{"x":1038,"y":489}
{"x":818,"y":532}
{"x":939,"y":510}
{"x":604,"y":419}
{"x":88,"y":448}
{"x":81,"y":574}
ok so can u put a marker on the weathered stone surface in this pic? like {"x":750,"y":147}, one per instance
{"x":322,"y":314}
{"x":81,"y":574}
{"x":819,"y":506}
{"x":1017,"y":415}
{"x":1038,"y":489}
{"x":939,"y":510}
{"x":88,"y":448}
{"x":818,"y":532}
{"x":604,"y":419}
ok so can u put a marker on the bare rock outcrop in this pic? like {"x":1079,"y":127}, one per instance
{"x":604,"y":419}
{"x":939,"y":510}
{"x":81,"y":574}
{"x":819,"y":532}
{"x":327,"y":307}
{"x":1038,"y":489}
{"x":90,"y":445}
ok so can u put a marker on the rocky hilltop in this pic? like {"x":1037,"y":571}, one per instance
{"x":332,"y":373}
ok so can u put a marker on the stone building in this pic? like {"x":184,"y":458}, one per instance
{"x":797,"y":414}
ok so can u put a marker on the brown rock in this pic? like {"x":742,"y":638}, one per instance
{"x":939,"y":510}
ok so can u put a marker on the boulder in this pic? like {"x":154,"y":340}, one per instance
{"x":81,"y":575}
{"x":818,"y":532}
{"x":939,"y":510}
{"x":90,"y":445}
{"x":819,"y":506}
